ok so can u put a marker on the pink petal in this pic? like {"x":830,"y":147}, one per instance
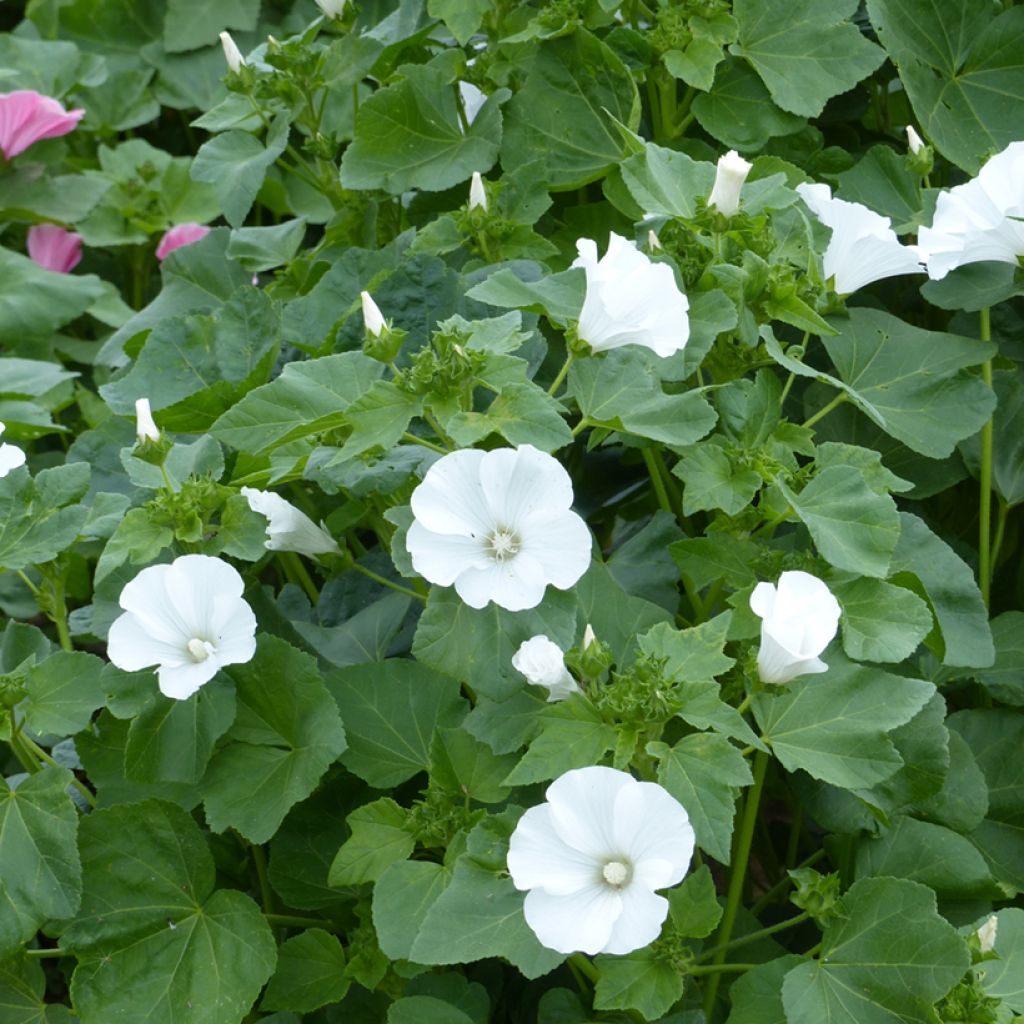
{"x":179,"y":235}
{"x":27,"y":116}
{"x":54,"y":248}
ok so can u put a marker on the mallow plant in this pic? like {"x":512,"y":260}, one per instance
{"x":511,"y":512}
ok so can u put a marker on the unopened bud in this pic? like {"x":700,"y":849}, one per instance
{"x":232,"y":54}
{"x":332,"y":8}
{"x":732,"y":172}
{"x":589,"y":636}
{"x":987,"y":934}
{"x":477,"y":193}
{"x":653,"y":242}
{"x":914,"y":141}
{"x":145,"y":425}
{"x":373,"y":319}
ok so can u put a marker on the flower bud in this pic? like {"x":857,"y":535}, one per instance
{"x":987,"y":934}
{"x":332,"y":8}
{"x":732,"y":172}
{"x":373,"y":319}
{"x":477,"y":193}
{"x":542,"y":662}
{"x":232,"y":54}
{"x":653,"y":242}
{"x":914,"y":141}
{"x":145,"y":426}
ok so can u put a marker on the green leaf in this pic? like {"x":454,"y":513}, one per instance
{"x":667,"y":182}
{"x":403,"y":895}
{"x":42,"y":875}
{"x":190,"y":24}
{"x":738,"y":110}
{"x":1007,"y":439}
{"x":235,"y":164}
{"x":286,"y":734}
{"x":522,"y":414}
{"x":1004,"y":978}
{"x":615,"y":390}
{"x":887,"y":961}
{"x":881,"y":622}
{"x":172,"y":740}
{"x":806,"y":51}
{"x":948,"y":583}
{"x":378,"y":418}
{"x":642,"y":980}
{"x":64,"y":690}
{"x":391,"y":710}
{"x":379,"y":839}
{"x":961,"y":67}
{"x":463,"y":17}
{"x":467,"y":768}
{"x":308,"y":397}
{"x":704,"y":773}
{"x":23,"y":994}
{"x":35,"y":302}
{"x":756,"y":996}
{"x":930,"y":854}
{"x":961,"y":801}
{"x":713,"y":480}
{"x":853,"y":527}
{"x":32,"y":528}
{"x":408,"y":135}
{"x":476,"y":645}
{"x":882,"y":180}
{"x":912,"y":379}
{"x":155,"y":943}
{"x":1005,"y":679}
{"x":561,"y":114}
{"x":558,"y":296}
{"x":694,"y":906}
{"x":834,"y":726}
{"x":264,"y":248}
{"x":310,"y":973}
{"x":426,"y":1010}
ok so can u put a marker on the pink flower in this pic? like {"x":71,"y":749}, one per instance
{"x":54,"y":248}
{"x":179,"y":235}
{"x":27,"y":116}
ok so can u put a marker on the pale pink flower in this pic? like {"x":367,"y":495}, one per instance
{"x":27,"y":116}
{"x":54,"y":248}
{"x":179,"y":235}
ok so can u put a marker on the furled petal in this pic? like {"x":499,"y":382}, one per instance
{"x":577,"y":922}
{"x":54,"y":248}
{"x":472,"y":100}
{"x":27,"y":116}
{"x":179,"y":235}
{"x":730,"y":175}
{"x":775,"y":664}
{"x":543,"y":663}
{"x":583,"y":803}
{"x":537,"y":857}
{"x":639,"y":923}
{"x":289,"y":528}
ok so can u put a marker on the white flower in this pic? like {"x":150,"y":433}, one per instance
{"x":592,"y":856}
{"x":630,"y":300}
{"x":187,"y":618}
{"x":477,"y":193}
{"x":11,"y":456}
{"x":542,"y":662}
{"x":981,"y":219}
{"x":332,"y":8}
{"x":987,"y":934}
{"x":145,"y":426}
{"x":498,"y":526}
{"x":799,"y":618}
{"x":472,"y":100}
{"x":914,"y":141}
{"x":373,"y":318}
{"x":732,"y":172}
{"x":288,"y":528}
{"x":232,"y":54}
{"x":863,"y":247}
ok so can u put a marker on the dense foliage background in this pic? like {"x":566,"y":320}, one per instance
{"x":320,"y":833}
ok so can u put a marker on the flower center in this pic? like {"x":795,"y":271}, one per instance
{"x":616,"y":873}
{"x":199,"y":650}
{"x":503,"y":544}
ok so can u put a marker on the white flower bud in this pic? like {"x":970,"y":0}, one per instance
{"x":542,"y":662}
{"x":653,"y":242}
{"x":589,"y":636}
{"x":477,"y":193}
{"x":232,"y":54}
{"x":372,"y":316}
{"x":987,"y":934}
{"x":332,"y":8}
{"x":145,"y":425}
{"x":732,"y":172}
{"x":914,"y":141}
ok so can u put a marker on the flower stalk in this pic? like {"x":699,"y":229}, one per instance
{"x":985,"y":481}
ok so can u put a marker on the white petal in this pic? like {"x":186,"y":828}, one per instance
{"x":441,"y":558}
{"x":451,"y":498}
{"x":11,"y":457}
{"x":639,"y":924}
{"x":516,"y":584}
{"x":519,"y":482}
{"x":537,"y":857}
{"x":653,"y":829}
{"x":146,"y":597}
{"x":561,"y":543}
{"x":179,"y":682}
{"x":580,"y":921}
{"x":762,"y":599}
{"x":583,"y":805}
{"x":131,"y":647}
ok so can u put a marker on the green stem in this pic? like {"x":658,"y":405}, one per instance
{"x":25,"y":759}
{"x":560,"y":376}
{"x":715,"y":969}
{"x":296,"y":573}
{"x":737,"y":875}
{"x":985,"y":497}
{"x":384,"y":582}
{"x":423,"y":442}
{"x":825,"y":410}
{"x":745,"y":703}
{"x":585,"y":967}
{"x":997,"y":543}
{"x":580,"y":427}
{"x":754,"y":936}
{"x":45,"y":952}
{"x":60,"y":614}
{"x":259,"y":860}
{"x":43,"y":756}
{"x":651,"y":461}
{"x":784,"y":883}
